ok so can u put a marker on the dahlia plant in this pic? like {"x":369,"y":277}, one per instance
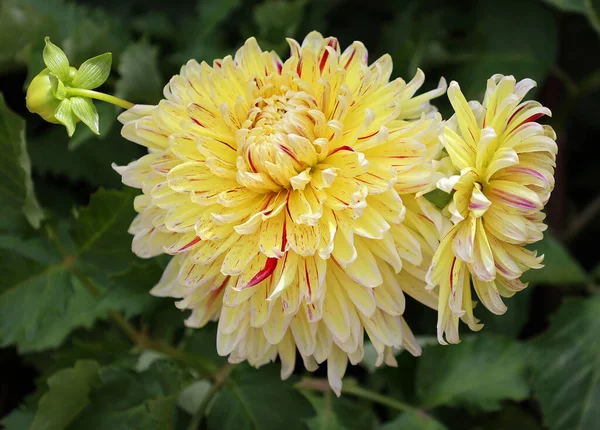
{"x":293,"y":196}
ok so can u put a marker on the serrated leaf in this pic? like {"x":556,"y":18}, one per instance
{"x":560,"y":267}
{"x":40,"y":304}
{"x":90,"y":164}
{"x":339,"y":413}
{"x":127,"y":400}
{"x":247,"y":402}
{"x":413,"y":421}
{"x":17,"y":196}
{"x":478,"y":373}
{"x":56,"y":60}
{"x":100,"y":232}
{"x":129,"y":291}
{"x":565,"y":359}
{"x":93,"y":72}
{"x":85,"y":110}
{"x":64,"y":114}
{"x":67,"y":396}
{"x":106,"y":345}
{"x":326,"y":418}
{"x":140,"y":81}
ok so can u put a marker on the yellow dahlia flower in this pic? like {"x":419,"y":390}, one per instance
{"x":506,"y":162}
{"x":288,"y":193}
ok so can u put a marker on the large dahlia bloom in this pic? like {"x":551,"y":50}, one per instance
{"x":506,"y":162}
{"x":288,"y":193}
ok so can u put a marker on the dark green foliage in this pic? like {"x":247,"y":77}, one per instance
{"x":254,"y":399}
{"x":70,"y":287}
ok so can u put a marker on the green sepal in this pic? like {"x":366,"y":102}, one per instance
{"x":439,"y":198}
{"x":58,"y":88}
{"x":86,"y":112}
{"x":56,"y":60}
{"x":93,"y":72}
{"x":64,"y":114}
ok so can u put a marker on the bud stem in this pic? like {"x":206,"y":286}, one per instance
{"x":99,"y":96}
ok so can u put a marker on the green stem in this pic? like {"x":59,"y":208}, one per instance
{"x":363,"y":393}
{"x":99,"y":96}
{"x":322,"y":385}
{"x":219,"y":380}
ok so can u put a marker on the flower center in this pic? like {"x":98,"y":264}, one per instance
{"x":279,"y":142}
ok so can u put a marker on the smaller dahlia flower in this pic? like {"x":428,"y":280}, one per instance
{"x":290,"y":196}
{"x":506,"y":163}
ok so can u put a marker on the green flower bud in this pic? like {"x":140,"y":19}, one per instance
{"x":41,"y":95}
{"x":61,"y":94}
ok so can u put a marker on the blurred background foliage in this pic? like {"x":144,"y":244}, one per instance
{"x":85,"y":346}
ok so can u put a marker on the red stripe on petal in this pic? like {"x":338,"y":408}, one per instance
{"x":290,"y":153}
{"x":264,"y":273}
{"x":324,"y":60}
{"x":452,"y":289}
{"x":350,"y":59}
{"x":341,"y":148}
{"x":192,"y":243}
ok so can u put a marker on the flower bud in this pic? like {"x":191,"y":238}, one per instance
{"x":40,"y":97}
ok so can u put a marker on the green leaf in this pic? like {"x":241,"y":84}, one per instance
{"x":86,"y":111}
{"x":140,"y":81}
{"x":154,"y":24}
{"x":565,"y":359}
{"x":18,"y":419}
{"x":90,"y":164}
{"x":203,"y":343}
{"x":276,"y":20}
{"x":104,"y":344}
{"x":100,"y":232}
{"x":128,"y":291}
{"x":192,"y":396}
{"x":67,"y":396}
{"x":64,"y":114}
{"x":596,"y":272}
{"x":512,"y":321}
{"x":127,"y":400}
{"x":478,"y":373}
{"x":212,"y":13}
{"x":39,"y":303}
{"x":559,"y":266}
{"x":522,"y":44}
{"x":592,"y":9}
{"x":56,"y":60}
{"x":326,"y":418}
{"x":258,"y":399}
{"x":17,"y":197}
{"x":93,"y":72}
{"x":413,"y":421}
{"x":339,"y":413}
{"x":568,"y":5}
{"x":439,"y":198}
